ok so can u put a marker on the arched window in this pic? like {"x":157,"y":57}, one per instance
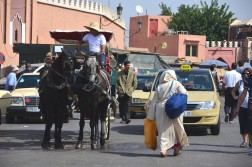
{"x":16,"y":35}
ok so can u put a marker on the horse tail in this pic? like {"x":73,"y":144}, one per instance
{"x":114,"y":106}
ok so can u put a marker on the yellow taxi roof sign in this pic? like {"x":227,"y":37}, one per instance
{"x":185,"y":67}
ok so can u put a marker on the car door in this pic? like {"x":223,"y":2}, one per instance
{"x":5,"y":101}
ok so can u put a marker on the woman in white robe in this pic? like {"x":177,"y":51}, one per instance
{"x":171,"y":132}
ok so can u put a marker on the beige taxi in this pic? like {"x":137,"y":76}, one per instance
{"x":139,"y":97}
{"x":24,"y":100}
{"x":203,"y":105}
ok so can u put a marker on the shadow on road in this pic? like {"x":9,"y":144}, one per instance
{"x":31,"y":139}
{"x":130,"y":154}
{"x":129,"y":129}
{"x":196,"y":131}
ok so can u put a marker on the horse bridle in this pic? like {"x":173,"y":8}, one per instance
{"x":64,"y":82}
{"x":94,"y":78}
{"x":51,"y":82}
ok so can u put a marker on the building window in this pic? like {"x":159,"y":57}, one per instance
{"x":192,"y":50}
{"x":16,"y":35}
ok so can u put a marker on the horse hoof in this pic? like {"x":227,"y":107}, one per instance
{"x":78,"y":146}
{"x":93,"y":146}
{"x":102,"y":147}
{"x":46,"y":145}
{"x":59,"y":146}
{"x":102,"y":142}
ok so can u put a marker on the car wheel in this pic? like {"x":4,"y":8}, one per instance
{"x":215,"y":129}
{"x":9,"y":119}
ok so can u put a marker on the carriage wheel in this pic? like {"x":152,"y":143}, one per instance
{"x":107,"y":123}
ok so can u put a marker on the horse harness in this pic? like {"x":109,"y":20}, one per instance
{"x":50,"y":81}
{"x":96,"y":84}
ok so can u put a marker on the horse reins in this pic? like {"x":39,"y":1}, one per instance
{"x":52,"y":84}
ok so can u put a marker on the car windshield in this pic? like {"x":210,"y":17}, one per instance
{"x":195,"y":80}
{"x":28,"y":81}
{"x":144,"y":80}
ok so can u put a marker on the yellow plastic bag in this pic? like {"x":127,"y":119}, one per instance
{"x":150,"y":132}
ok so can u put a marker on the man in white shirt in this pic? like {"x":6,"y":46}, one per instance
{"x":228,"y":83}
{"x":96,"y":41}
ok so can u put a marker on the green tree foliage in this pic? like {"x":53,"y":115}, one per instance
{"x":166,"y":11}
{"x":211,"y":20}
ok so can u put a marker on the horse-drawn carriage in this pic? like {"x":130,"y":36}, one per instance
{"x":76,"y":73}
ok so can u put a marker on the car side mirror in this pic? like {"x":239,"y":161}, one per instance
{"x":147,"y":88}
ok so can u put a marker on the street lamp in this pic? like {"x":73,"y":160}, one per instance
{"x":139,"y":27}
{"x":119,"y":13}
{"x":119,"y":10}
{"x":139,"y":24}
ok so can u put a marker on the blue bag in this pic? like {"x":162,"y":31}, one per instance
{"x":176,"y":104}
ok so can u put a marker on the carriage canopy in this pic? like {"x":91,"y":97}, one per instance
{"x":73,"y":36}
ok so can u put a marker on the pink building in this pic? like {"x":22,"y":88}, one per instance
{"x":154,"y":32}
{"x":29,"y":22}
{"x":180,"y":45}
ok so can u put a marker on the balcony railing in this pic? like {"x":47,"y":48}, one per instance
{"x":225,"y":44}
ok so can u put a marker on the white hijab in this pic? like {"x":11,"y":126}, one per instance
{"x":167,"y":76}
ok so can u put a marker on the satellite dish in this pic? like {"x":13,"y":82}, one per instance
{"x":164,"y":45}
{"x":139,"y":9}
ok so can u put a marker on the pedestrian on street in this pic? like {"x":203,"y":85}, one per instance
{"x":242,"y":112}
{"x":228,"y":83}
{"x":27,"y":69}
{"x":126,"y":84}
{"x":216,"y":76}
{"x":11,"y":79}
{"x":96,"y":41}
{"x":240,"y":67}
{"x":48,"y":62}
{"x":171,"y":132}
{"x":43,"y":73}
{"x":247,"y":88}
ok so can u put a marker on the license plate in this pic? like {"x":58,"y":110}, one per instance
{"x":32,"y":109}
{"x":187,"y":113}
{"x":134,"y":100}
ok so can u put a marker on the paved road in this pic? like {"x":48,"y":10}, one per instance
{"x":20,"y":147}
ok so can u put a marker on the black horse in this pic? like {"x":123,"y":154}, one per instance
{"x":92,"y":86}
{"x":54,"y":90}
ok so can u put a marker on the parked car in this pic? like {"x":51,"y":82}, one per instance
{"x":24,"y":98}
{"x":139,"y":97}
{"x":203,"y":106}
{"x":34,"y":67}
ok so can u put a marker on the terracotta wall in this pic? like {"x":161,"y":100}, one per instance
{"x":40,"y":17}
{"x":176,"y":43}
{"x":6,"y":13}
{"x":52,"y":17}
{"x":225,"y":54}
